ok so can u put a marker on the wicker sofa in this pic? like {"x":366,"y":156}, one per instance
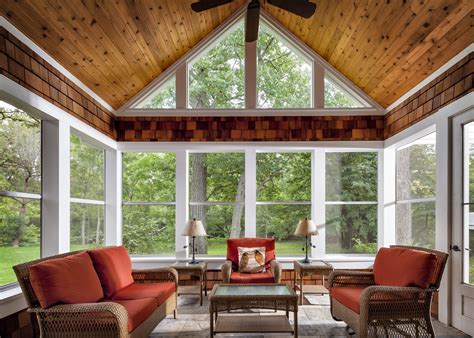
{"x":54,"y":288}
{"x":394,"y":299}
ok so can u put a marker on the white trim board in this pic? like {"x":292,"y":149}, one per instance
{"x":33,"y":46}
{"x":300,"y":47}
{"x":466,"y":51}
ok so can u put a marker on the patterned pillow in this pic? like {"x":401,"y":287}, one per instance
{"x":251,"y":260}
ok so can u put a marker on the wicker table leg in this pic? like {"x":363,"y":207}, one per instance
{"x":301,"y":289}
{"x":211,"y":327}
{"x":200,"y":288}
{"x":295,"y":324}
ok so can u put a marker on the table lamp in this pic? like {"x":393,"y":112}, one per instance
{"x":194,"y":228}
{"x":306,"y":227}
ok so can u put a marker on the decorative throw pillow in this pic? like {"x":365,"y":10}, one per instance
{"x":251,"y":260}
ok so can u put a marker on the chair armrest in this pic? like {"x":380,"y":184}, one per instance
{"x":159,"y":275}
{"x":275,"y":268}
{"x":350,"y":278}
{"x":395,"y":299}
{"x":106,"y":319}
{"x":226,"y":269}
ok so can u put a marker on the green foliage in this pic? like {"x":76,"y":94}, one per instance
{"x":283,"y":76}
{"x":351,"y":177}
{"x":163,"y":97}
{"x":336,"y":97}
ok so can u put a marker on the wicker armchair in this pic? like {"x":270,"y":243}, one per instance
{"x":387,"y":311}
{"x":104,"y":319}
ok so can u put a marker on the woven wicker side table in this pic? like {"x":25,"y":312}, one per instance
{"x":313,"y":268}
{"x":226,"y":297}
{"x":200,"y":270}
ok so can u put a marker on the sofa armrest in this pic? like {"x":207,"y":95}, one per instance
{"x":350,"y":278}
{"x":159,"y":275}
{"x":275,"y":268}
{"x":226,"y":270}
{"x":106,"y":319}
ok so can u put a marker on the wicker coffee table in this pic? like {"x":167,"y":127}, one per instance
{"x":226,"y":297}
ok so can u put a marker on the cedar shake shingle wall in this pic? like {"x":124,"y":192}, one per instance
{"x":252,"y":129}
{"x":19,"y":63}
{"x":454,"y":83}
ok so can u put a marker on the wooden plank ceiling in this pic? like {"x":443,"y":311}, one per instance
{"x":117,"y":47}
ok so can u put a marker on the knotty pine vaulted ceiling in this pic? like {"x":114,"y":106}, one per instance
{"x":117,"y":47}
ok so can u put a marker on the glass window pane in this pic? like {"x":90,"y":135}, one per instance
{"x":283,"y":177}
{"x":87,"y":170}
{"x":416,"y":169}
{"x":216,"y":79}
{"x":149,"y":177}
{"x":149,"y":229}
{"x":279,"y":222}
{"x":336,"y":97}
{"x":415,"y":224}
{"x":221,"y":222}
{"x":471,"y":244}
{"x":87,"y":226}
{"x":164,"y":97}
{"x":351,"y":176}
{"x":216,"y":177}
{"x":20,"y":156}
{"x":19,"y":234}
{"x":283,"y":76}
{"x":351,"y":229}
{"x":469,"y":131}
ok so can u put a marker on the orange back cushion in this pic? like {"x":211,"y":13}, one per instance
{"x":114,"y":267}
{"x":234,"y":243}
{"x":404,"y":267}
{"x":67,"y":280}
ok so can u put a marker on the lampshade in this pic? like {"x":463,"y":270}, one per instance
{"x":194,"y":228}
{"x":306,"y":227}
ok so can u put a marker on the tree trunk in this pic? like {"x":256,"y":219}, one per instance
{"x":238,"y":208}
{"x":83,"y":225}
{"x":199,"y":194}
{"x":403,"y":221}
{"x":97,"y":229}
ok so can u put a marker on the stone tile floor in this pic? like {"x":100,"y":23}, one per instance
{"x":314,"y":321}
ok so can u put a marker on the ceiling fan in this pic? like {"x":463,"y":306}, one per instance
{"x":303,"y":8}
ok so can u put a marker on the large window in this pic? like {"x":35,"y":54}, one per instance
{"x":164,"y":97}
{"x":335,"y":96}
{"x":351,"y":202}
{"x":468,"y":198}
{"x":216,"y":79}
{"x":283,"y":197}
{"x":149,"y":184}
{"x":217,"y":198}
{"x":87,"y":195}
{"x":20,"y":189}
{"x":283,"y":74}
{"x":416,"y":192}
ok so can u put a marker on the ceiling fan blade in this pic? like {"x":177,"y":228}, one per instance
{"x":252,"y":20}
{"x":203,"y":5}
{"x":302,"y":8}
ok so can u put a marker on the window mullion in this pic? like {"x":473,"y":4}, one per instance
{"x":318,"y":198}
{"x":182,"y":199}
{"x":250,"y":193}
{"x":318,"y":85}
{"x":250,"y":75}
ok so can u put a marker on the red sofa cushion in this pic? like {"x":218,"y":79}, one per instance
{"x":248,"y":278}
{"x":348,"y":296}
{"x":114,"y":267}
{"x":159,"y":291}
{"x":138,"y":310}
{"x":404,"y":267}
{"x":68,"y":280}
{"x":234,"y":243}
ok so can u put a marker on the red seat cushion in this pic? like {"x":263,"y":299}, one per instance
{"x":114,"y":267}
{"x":68,"y":280}
{"x":234,"y":243}
{"x":348,"y":296}
{"x":248,"y":278}
{"x":404,"y":267}
{"x":159,"y":291}
{"x":138,"y":310}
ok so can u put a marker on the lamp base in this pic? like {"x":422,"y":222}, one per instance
{"x":305,"y":260}
{"x":194,"y":262}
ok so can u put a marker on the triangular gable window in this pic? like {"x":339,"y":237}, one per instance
{"x":163,"y":97}
{"x":284,"y":75}
{"x":335,"y":96}
{"x":216,"y":79}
